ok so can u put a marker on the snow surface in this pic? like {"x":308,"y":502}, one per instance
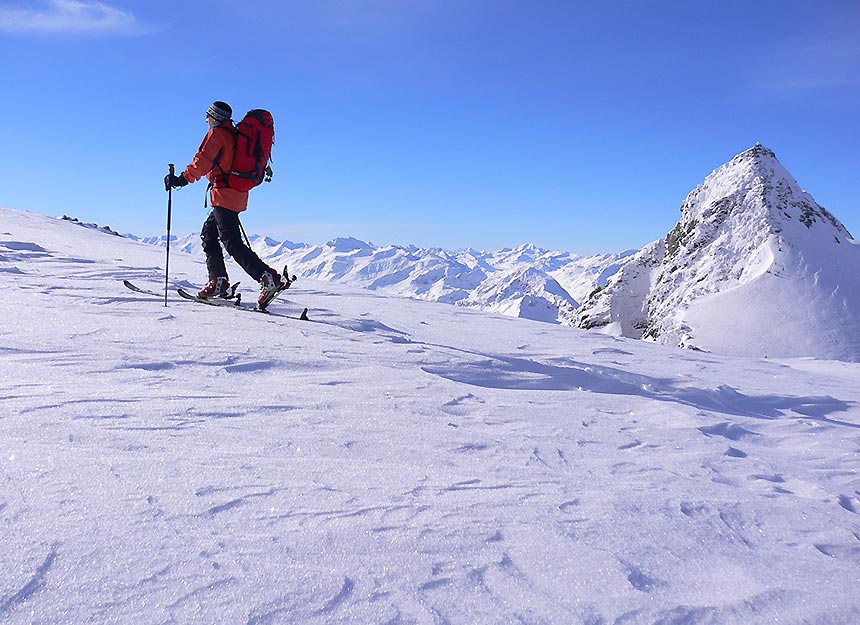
{"x":396,"y":461}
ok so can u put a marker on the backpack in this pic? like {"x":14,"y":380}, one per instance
{"x":254,"y":139}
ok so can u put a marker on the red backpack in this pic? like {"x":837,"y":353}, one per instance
{"x":254,"y":139}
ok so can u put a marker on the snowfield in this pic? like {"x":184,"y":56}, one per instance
{"x":396,"y":461}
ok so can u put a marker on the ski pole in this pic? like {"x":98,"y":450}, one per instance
{"x":169,"y":209}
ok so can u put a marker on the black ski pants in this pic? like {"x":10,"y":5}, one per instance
{"x":222,"y":226}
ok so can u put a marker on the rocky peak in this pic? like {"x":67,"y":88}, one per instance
{"x":753,"y":196}
{"x":748,"y":234}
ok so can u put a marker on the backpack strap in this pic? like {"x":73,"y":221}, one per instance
{"x":221,"y":180}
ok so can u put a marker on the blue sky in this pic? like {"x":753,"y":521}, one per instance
{"x":486,"y":123}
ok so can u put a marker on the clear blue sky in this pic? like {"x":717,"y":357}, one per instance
{"x":486,"y":123}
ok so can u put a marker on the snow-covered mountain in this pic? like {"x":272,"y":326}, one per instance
{"x":516,"y":282}
{"x":754,"y":267}
{"x":527,"y":281}
{"x":396,"y":461}
{"x":528,"y":293}
{"x":189,"y":243}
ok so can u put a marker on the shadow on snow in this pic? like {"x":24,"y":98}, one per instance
{"x":501,"y":372}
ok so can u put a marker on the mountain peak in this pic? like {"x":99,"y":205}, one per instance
{"x":757,"y":162}
{"x":757,"y":151}
{"x":754,"y":192}
{"x":751,"y":246}
{"x":347,"y":244}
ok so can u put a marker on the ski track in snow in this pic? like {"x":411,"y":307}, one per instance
{"x":396,"y":461}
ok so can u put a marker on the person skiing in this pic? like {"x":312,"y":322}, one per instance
{"x":213,"y":160}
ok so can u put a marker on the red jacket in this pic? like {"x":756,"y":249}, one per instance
{"x":213,"y":158}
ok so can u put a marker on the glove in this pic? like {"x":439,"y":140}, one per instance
{"x":173,"y":182}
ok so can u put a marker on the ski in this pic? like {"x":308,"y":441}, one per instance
{"x":232,"y":292}
{"x":137,"y":289}
{"x":232,"y":300}
{"x":235,"y":303}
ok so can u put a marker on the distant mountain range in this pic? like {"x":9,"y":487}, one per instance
{"x":754,"y":267}
{"x":527,"y":281}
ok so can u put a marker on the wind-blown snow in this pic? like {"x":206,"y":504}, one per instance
{"x":397,"y":461}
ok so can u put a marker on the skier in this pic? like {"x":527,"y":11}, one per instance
{"x":213,"y":160}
